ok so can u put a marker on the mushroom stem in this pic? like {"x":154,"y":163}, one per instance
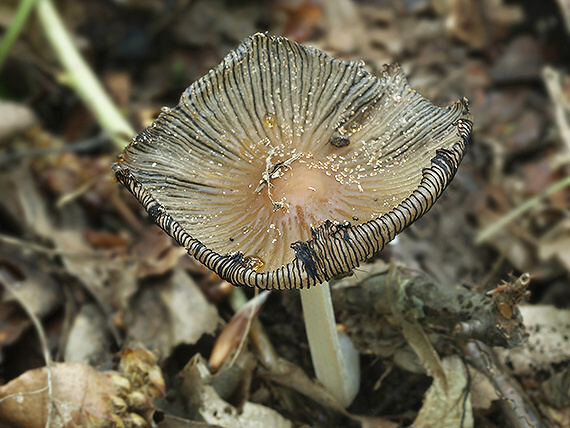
{"x":336,"y":367}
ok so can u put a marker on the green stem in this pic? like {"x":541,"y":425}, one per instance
{"x":15,"y":29}
{"x":80,"y":77}
{"x":520,"y":210}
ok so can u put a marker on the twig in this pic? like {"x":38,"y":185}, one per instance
{"x":79,"y":146}
{"x":38,"y":326}
{"x":80,"y":77}
{"x":520,"y":210}
{"x":80,"y":191}
{"x":516,"y":405}
{"x":51,"y":252}
{"x":26,"y":6}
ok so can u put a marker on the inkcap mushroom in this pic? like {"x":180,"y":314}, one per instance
{"x":284,"y":167}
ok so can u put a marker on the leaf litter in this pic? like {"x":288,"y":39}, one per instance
{"x":102,"y":279}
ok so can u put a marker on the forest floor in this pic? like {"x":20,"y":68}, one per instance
{"x":126,"y":322}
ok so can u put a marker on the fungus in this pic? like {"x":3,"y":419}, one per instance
{"x":284,"y":167}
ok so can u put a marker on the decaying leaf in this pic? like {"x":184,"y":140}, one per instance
{"x":555,"y":398}
{"x":83,"y":396}
{"x":447,"y":402}
{"x":205,"y":401}
{"x":89,"y":339}
{"x":35,"y":287}
{"x":481,"y":389}
{"x":556,"y":243}
{"x":171,"y":311}
{"x":79,"y":391}
{"x":548,"y":342}
{"x":232,"y":334}
{"x":190,"y":314}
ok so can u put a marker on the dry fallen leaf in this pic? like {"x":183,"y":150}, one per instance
{"x":555,"y":398}
{"x":89,"y":339}
{"x":15,"y":118}
{"x":483,"y":393}
{"x":78,"y":391}
{"x":556,"y":243}
{"x":170,"y":311}
{"x":190,"y":314}
{"x":203,"y":398}
{"x":447,"y":402}
{"x":83,"y":396}
{"x":548,"y":342}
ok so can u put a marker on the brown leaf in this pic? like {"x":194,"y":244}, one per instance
{"x":78,"y":391}
{"x":169,"y":312}
{"x":157,"y":252}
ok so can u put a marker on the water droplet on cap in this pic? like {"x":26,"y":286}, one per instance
{"x":269,"y":120}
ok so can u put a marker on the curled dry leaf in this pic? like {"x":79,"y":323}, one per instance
{"x":228,"y":340}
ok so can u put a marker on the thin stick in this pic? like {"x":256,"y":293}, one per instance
{"x":51,"y":252}
{"x":80,"y":77}
{"x":520,"y":210}
{"x":38,"y":326}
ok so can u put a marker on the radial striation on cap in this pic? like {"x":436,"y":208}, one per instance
{"x":284,"y":167}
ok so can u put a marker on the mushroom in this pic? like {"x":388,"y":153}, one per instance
{"x":284,"y":168}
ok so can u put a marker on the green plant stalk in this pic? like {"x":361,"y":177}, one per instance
{"x":26,"y":6}
{"x":80,"y":77}
{"x":520,"y":210}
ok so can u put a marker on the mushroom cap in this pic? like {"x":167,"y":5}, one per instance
{"x":284,"y":167}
